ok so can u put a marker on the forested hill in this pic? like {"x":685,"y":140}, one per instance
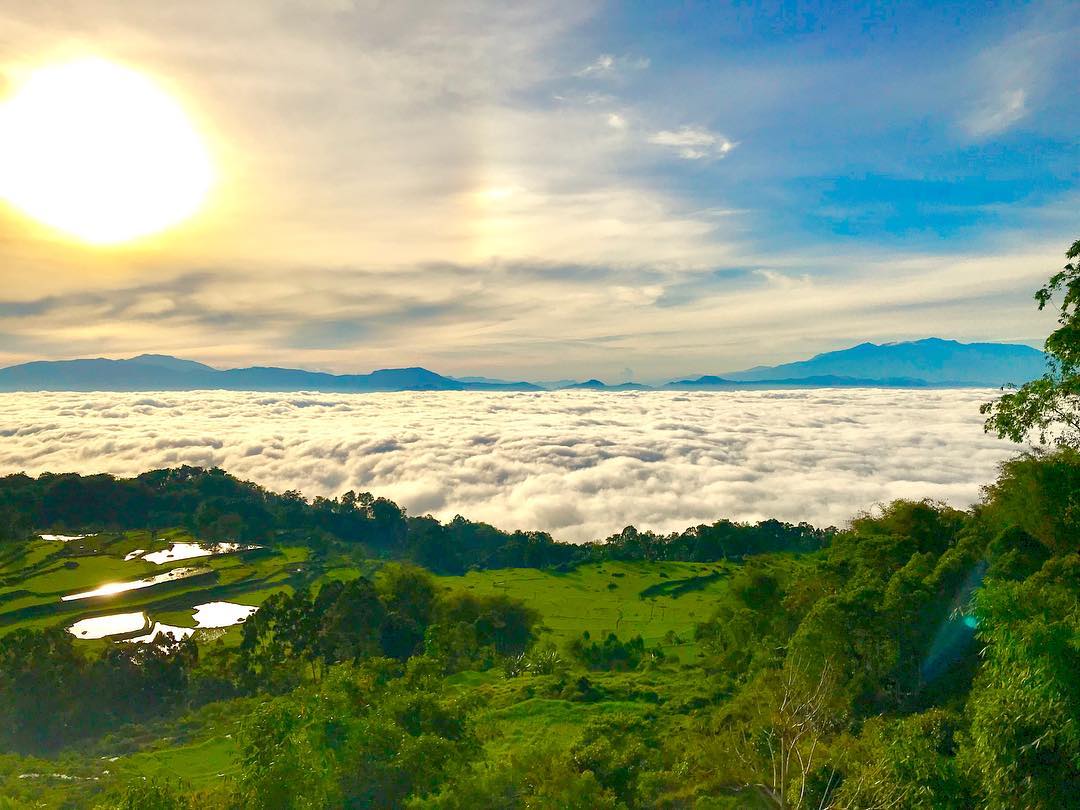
{"x":216,"y":506}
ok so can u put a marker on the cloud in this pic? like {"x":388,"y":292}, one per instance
{"x":693,"y":143}
{"x":616,"y":121}
{"x":608,"y":66}
{"x":997,"y":115}
{"x":542,"y":319}
{"x":580,"y":464}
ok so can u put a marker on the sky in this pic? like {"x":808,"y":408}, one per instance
{"x":554,"y":189}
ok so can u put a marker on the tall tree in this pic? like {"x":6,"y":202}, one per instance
{"x":1049,"y":407}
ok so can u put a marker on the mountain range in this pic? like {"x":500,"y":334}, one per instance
{"x":922,"y":363}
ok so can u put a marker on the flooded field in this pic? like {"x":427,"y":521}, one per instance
{"x":113,"y":588}
{"x":120,"y":626}
{"x":142,"y":586}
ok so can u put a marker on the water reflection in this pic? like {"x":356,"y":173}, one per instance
{"x":121,"y":587}
{"x":187,"y":551}
{"x":102,"y":626}
{"x":222,"y":614}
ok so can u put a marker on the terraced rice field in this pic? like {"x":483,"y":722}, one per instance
{"x":79,"y":580}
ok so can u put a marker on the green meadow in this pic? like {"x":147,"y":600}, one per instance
{"x":660,"y":601}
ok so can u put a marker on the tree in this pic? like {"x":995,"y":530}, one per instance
{"x":153,"y":795}
{"x":1024,"y":709}
{"x":1048,"y":407}
{"x":792,"y":717}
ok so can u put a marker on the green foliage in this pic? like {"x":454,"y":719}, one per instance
{"x":153,"y":795}
{"x":1040,"y":493}
{"x":617,"y":751}
{"x":611,"y":654}
{"x":51,"y":694}
{"x":354,"y":741}
{"x":909,"y":763}
{"x":1024,"y":746}
{"x":532,"y":778}
{"x":1049,"y":408}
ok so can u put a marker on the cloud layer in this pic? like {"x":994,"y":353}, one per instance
{"x":578,"y":464}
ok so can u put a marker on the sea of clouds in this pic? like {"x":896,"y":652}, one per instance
{"x":578,"y":464}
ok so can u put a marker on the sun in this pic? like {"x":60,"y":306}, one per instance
{"x":100,"y":152}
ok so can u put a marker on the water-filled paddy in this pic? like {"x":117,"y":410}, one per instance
{"x":221,"y":614}
{"x":55,"y":583}
{"x":112,"y":588}
{"x":188,"y":551}
{"x":207,"y":616}
{"x":103,"y":626}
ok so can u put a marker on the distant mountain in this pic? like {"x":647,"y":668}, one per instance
{"x":818,"y":381}
{"x":552,"y":385}
{"x":151,"y":372}
{"x":933,"y":360}
{"x":929,"y":362}
{"x":597,"y":385}
{"x":174,"y":363}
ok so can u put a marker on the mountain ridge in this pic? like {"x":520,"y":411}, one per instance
{"x":934,"y":360}
{"x":930,"y":362}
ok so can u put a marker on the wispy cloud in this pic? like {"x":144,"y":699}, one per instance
{"x":693,"y":143}
{"x":608,"y":66}
{"x":997,"y":114}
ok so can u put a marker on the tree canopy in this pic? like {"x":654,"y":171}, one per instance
{"x":1049,"y":408}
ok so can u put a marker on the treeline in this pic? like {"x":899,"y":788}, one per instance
{"x":215,"y":506}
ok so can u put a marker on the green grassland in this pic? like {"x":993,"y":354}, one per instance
{"x":661,"y":602}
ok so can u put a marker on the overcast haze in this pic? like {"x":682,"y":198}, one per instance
{"x":569,"y":189}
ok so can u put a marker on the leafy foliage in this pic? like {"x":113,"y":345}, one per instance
{"x":1049,"y":408}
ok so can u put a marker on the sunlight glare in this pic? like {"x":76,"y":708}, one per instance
{"x":99,"y":152}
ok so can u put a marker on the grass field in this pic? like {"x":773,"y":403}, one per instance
{"x":661,"y":602}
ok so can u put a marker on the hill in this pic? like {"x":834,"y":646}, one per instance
{"x":643,"y":671}
{"x":710,"y":381}
{"x":151,"y":372}
{"x":933,"y":360}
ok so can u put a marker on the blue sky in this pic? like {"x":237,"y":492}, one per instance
{"x":580,"y":189}
{"x":905,"y":123}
